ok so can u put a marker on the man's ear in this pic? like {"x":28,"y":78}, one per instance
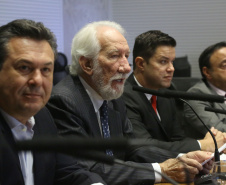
{"x":206,"y":72}
{"x":86,"y":65}
{"x":139,"y":63}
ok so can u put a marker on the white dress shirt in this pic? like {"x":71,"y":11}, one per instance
{"x":217,"y":90}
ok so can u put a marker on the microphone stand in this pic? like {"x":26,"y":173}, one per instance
{"x":216,"y":153}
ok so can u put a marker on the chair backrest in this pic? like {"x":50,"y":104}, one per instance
{"x":184,"y":83}
{"x":182,"y":67}
{"x":60,"y":68}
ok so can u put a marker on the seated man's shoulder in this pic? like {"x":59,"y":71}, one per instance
{"x":199,"y":86}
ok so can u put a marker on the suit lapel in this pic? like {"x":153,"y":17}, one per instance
{"x":44,"y":163}
{"x":209,"y":90}
{"x":87,"y":103}
{"x":7,"y":134}
{"x":147,"y":103}
{"x":143,"y":97}
{"x":115,"y":125}
{"x":222,"y":105}
{"x":92,"y":119}
{"x":114,"y":121}
{"x":163,"y":113}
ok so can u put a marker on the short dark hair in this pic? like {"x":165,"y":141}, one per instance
{"x":24,"y":28}
{"x":146,"y":43}
{"x":204,"y":59}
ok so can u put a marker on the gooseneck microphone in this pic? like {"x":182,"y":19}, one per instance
{"x":215,"y":110}
{"x":75,"y":143}
{"x":180,"y":94}
{"x":87,"y":148}
{"x":191,"y":96}
{"x":216,"y":153}
{"x":84,"y":148}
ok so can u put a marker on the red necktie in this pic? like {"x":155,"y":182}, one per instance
{"x":153,"y":103}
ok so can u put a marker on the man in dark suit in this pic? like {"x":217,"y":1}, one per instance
{"x":212,"y":66}
{"x":78,"y":105}
{"x":153,"y":56}
{"x":28,"y":50}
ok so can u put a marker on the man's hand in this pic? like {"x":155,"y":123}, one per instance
{"x":189,"y":164}
{"x":200,"y":156}
{"x":207,"y":144}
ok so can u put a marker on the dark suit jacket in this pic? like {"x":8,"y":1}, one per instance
{"x":49,"y":167}
{"x":74,"y":115}
{"x":167,"y":133}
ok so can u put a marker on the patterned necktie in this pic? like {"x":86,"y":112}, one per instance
{"x":104,"y":123}
{"x":153,"y":103}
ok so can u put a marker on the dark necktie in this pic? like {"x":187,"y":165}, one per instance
{"x":153,"y":103}
{"x":104,"y":123}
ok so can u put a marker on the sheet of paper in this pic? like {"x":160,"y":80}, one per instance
{"x":220,"y":150}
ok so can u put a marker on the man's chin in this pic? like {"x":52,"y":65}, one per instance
{"x":118,"y":93}
{"x":114,"y":94}
{"x":165,"y":85}
{"x":33,"y":107}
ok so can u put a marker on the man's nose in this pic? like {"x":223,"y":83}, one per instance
{"x":171,"y":67}
{"x":124,"y":67}
{"x":36,"y":78}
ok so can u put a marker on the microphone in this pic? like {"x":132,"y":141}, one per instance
{"x":191,"y":96}
{"x":87,"y":148}
{"x":215,"y":110}
{"x":180,"y":94}
{"x":216,"y":153}
{"x":75,"y":143}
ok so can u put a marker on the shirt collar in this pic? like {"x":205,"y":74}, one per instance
{"x":217,"y":90}
{"x":96,"y":99}
{"x":19,"y":130}
{"x":147,"y":95}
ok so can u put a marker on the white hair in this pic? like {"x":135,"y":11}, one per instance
{"x":85,"y":43}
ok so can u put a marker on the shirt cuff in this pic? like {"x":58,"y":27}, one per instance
{"x":180,"y":154}
{"x":199,"y":144}
{"x":157,"y":168}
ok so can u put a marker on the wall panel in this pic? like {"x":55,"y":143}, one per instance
{"x":194,"y":24}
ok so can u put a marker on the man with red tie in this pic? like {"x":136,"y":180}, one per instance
{"x":154,"y":118}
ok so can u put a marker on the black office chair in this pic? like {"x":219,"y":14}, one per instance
{"x":184,"y":83}
{"x":182,"y":67}
{"x":60,"y":68}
